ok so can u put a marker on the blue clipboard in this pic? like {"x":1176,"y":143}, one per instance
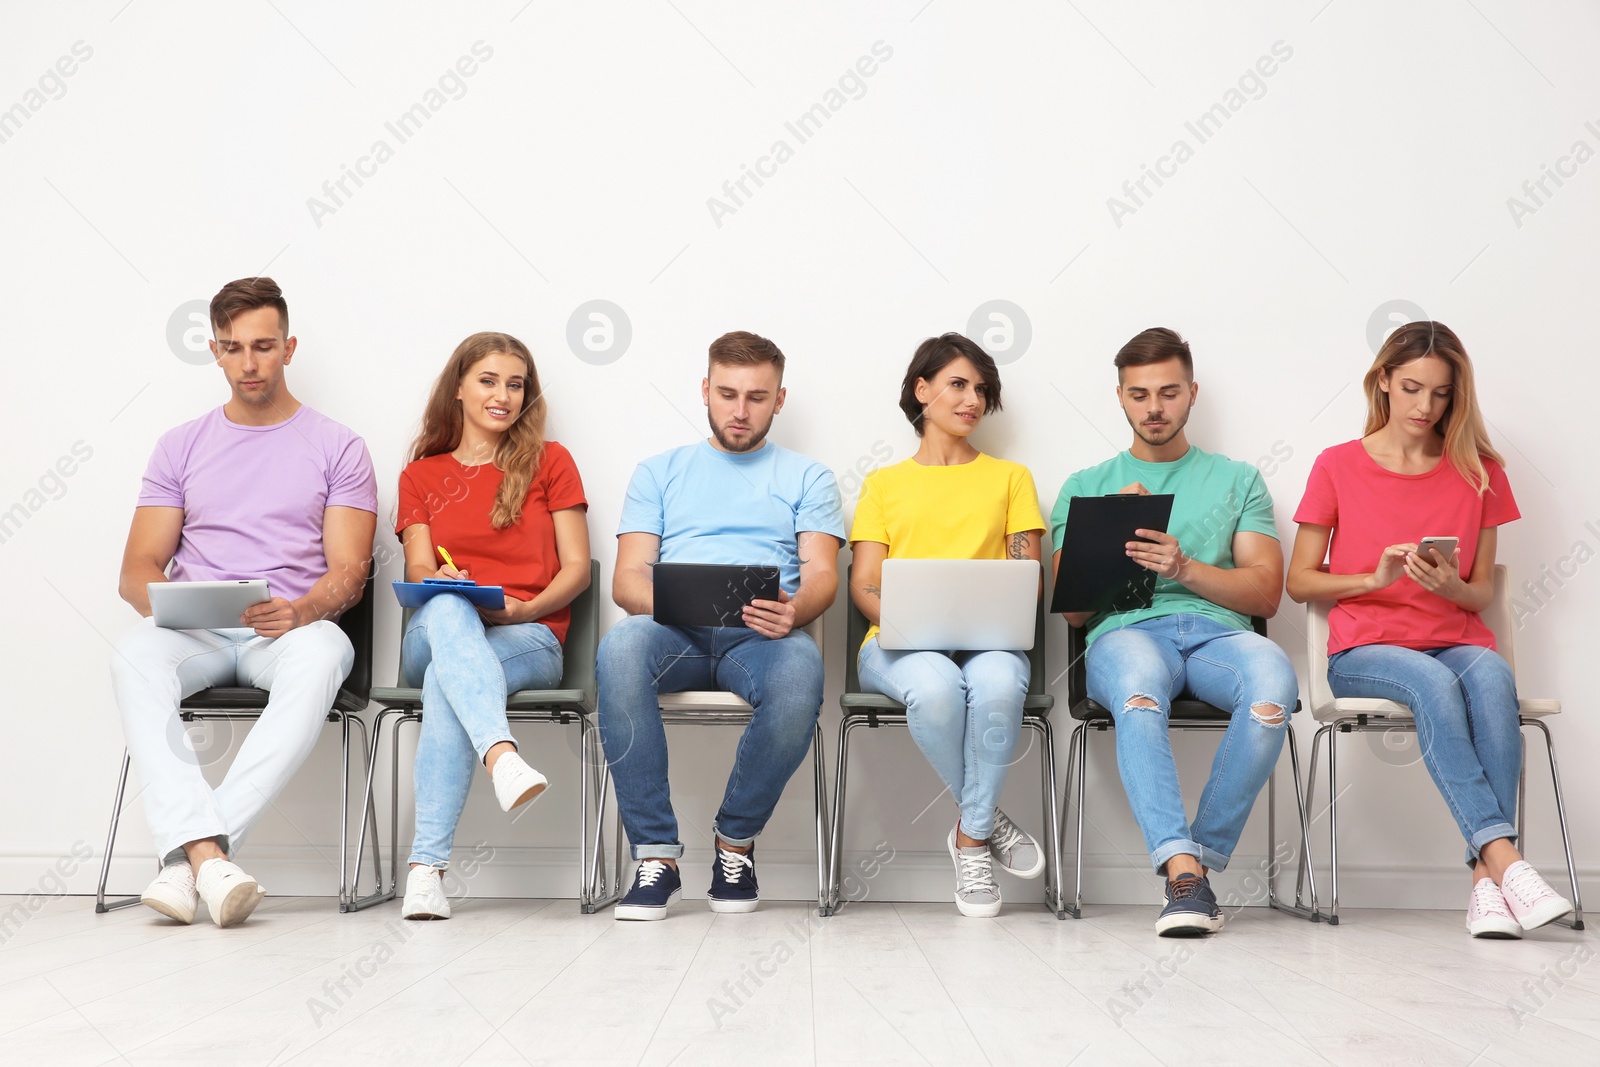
{"x":416,"y":594}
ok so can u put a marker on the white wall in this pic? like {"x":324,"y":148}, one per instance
{"x":1374,"y":164}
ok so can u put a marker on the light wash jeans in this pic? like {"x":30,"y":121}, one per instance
{"x":1236,"y":670}
{"x":782,"y":680}
{"x":964,"y":710}
{"x":155,"y":668}
{"x":466,"y":668}
{"x":1464,"y":700}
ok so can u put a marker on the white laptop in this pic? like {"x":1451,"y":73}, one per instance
{"x":955,"y":605}
{"x":204,"y":605}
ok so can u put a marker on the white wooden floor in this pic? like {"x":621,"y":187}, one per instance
{"x":516,"y":981}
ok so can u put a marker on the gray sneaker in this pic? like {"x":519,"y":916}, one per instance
{"x":976,"y":894}
{"x":1013,"y":849}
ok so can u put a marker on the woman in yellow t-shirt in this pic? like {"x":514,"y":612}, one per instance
{"x":951,"y":501}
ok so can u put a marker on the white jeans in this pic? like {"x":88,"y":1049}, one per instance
{"x":153,"y":669}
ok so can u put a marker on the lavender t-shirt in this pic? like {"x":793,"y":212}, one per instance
{"x":252,"y":496}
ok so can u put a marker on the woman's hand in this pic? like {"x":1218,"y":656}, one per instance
{"x":1391,"y":565}
{"x":446,"y":571}
{"x":1436,"y":574}
{"x":514,"y":612}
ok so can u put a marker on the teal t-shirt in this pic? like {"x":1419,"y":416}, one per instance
{"x":1214,"y":497}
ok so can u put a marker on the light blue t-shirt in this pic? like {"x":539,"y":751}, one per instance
{"x":1214,"y":497}
{"x":710,"y":506}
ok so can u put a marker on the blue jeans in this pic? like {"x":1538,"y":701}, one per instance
{"x":1236,"y":670}
{"x":465,"y":668}
{"x":1464,"y":700}
{"x":964,"y":710}
{"x":782,"y":680}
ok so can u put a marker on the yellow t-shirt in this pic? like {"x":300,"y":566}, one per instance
{"x":964,"y":511}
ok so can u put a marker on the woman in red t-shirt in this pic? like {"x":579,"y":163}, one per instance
{"x":487,"y":495}
{"x":1404,"y":625}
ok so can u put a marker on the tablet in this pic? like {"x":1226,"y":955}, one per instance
{"x":709,"y":594}
{"x":952,"y":605}
{"x":205,"y":605}
{"x":1097,"y":574}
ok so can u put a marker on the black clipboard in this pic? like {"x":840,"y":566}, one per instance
{"x":1097,"y":574}
{"x":709,"y":594}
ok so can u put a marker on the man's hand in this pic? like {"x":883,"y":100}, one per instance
{"x":514,"y":612}
{"x":770,"y":618}
{"x":274,"y":618}
{"x":1136,"y":488}
{"x":1159,"y":552}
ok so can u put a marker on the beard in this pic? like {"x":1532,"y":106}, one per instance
{"x":757,"y":436}
{"x":1156,"y":439}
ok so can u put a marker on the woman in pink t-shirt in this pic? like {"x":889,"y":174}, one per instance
{"x":1404,"y":625}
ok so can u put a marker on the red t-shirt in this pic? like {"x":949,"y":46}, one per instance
{"x":1371,"y":508}
{"x":455,"y":501}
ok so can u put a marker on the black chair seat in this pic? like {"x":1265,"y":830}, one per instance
{"x":866,"y":703}
{"x":573,"y":701}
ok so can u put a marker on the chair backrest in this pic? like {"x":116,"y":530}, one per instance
{"x":357,"y":626}
{"x":856,"y":632}
{"x":1497,"y":616}
{"x":583,"y":637}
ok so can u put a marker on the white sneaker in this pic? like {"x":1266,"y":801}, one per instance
{"x":976,"y":894}
{"x":516,"y":783}
{"x":230,"y":894}
{"x":173,"y":893}
{"x":1013,"y":849}
{"x":1529,"y":898}
{"x":1487,"y":914}
{"x":425,"y":897}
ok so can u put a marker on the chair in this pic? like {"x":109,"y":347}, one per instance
{"x":719,"y":708}
{"x":245,"y":704}
{"x":573,"y":702}
{"x":1341,"y":715}
{"x":874,"y":710}
{"x":1186,"y":714}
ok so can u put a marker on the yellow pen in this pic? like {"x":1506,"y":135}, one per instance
{"x":448,"y":562}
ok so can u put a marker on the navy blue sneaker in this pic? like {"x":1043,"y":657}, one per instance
{"x":1191,"y":909}
{"x":655,"y":885}
{"x":733,"y":881}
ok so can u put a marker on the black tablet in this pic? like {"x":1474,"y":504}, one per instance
{"x":709,"y":594}
{"x":1096,"y":572}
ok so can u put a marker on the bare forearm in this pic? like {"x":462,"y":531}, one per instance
{"x":131,"y":586}
{"x":1306,"y":586}
{"x":634,"y":592}
{"x":334,"y":593}
{"x":570,"y":580}
{"x":1248,"y":590}
{"x":813,"y":598}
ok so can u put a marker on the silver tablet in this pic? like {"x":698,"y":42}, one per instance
{"x":204,"y":605}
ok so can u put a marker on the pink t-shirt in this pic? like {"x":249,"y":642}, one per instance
{"x":1371,"y":508}
{"x":252,"y":496}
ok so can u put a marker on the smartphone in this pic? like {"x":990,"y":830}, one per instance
{"x":1446,"y":546}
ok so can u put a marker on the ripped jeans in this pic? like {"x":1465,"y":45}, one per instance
{"x":1192,"y":655}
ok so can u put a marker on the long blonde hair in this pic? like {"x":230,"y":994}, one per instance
{"x":1466,"y":442}
{"x":521,"y":447}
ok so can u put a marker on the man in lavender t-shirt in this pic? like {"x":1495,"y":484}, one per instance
{"x":262,"y":487}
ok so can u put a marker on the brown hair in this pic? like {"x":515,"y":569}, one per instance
{"x":933,"y":356}
{"x":247,"y":294}
{"x":743,"y":349}
{"x":521,"y":447}
{"x":1155,"y":345}
{"x":1466,"y":442}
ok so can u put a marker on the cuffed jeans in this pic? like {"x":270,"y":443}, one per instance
{"x":153,"y":669}
{"x":465,"y":668}
{"x":1236,"y":670}
{"x":964,"y":710}
{"x":1464,"y":701}
{"x":640,"y":659}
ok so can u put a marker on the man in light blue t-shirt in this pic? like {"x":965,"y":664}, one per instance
{"x":1219,"y":563}
{"x":733,"y":499}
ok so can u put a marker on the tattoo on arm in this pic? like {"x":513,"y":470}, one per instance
{"x":872,"y":590}
{"x":1018,"y":546}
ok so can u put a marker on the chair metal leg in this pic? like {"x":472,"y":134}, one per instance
{"x":100,"y":905}
{"x":836,"y":847}
{"x":820,"y":790}
{"x":1053,"y":895}
{"x":601,"y":886}
{"x":1298,"y":908}
{"x":1332,"y":730}
{"x":369,"y":822}
{"x":1575,"y":920}
{"x":1077,"y":757}
{"x":344,"y":810}
{"x":379,"y":894}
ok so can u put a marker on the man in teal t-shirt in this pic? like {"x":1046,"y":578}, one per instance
{"x":1219,"y":563}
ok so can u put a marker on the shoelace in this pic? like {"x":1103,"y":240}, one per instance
{"x":974,"y":872}
{"x":734,"y":864}
{"x":650,"y":872}
{"x":1487,"y":896}
{"x":1525,"y":884}
{"x":1005,"y":834}
{"x":1184,"y":888}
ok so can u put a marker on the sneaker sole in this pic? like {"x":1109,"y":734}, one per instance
{"x":978,"y":911}
{"x":1542,"y":914}
{"x":644,"y":912}
{"x":422,"y":915}
{"x":528,"y":797}
{"x":181,"y":912}
{"x":239,"y":902}
{"x":732,"y":907}
{"x":1187,"y":925}
{"x":1496,"y":929}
